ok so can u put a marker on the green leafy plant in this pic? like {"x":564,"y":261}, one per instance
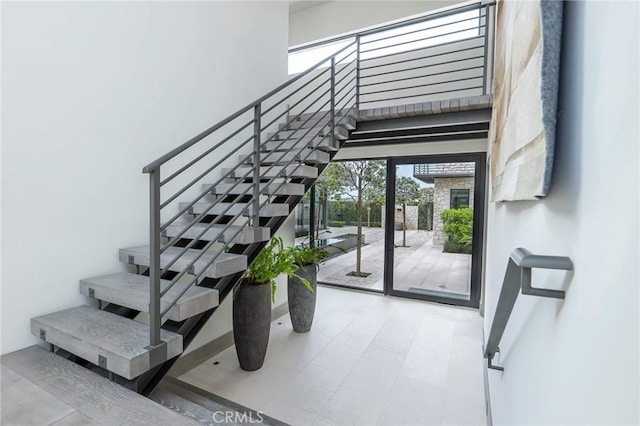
{"x":458,"y":226}
{"x":466,"y":237}
{"x":272,"y":261}
{"x":303,"y":256}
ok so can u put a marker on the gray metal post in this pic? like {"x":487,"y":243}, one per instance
{"x":333,"y":101}
{"x":257,"y":111}
{"x":358,"y":72}
{"x":154,"y":258}
{"x":486,"y":50}
{"x":312,"y":216}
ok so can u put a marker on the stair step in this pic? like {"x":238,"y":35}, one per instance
{"x":268,"y":210}
{"x":110,"y":341}
{"x":307,"y":156}
{"x":307,"y":134}
{"x":274,"y":188}
{"x":246,"y":236}
{"x":201,"y":405}
{"x":290,"y":171}
{"x":323,"y":143}
{"x":132,"y":291}
{"x":348,"y":122}
{"x":225,"y":264}
{"x":349,"y":112}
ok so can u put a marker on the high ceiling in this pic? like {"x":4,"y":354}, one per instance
{"x":298,"y":5}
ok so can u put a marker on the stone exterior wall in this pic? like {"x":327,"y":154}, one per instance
{"x":442,"y":201}
{"x":412,"y":216}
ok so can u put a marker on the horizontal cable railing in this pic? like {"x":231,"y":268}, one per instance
{"x":429,"y":169}
{"x":322,"y":96}
{"x":244,"y":160}
{"x":439,"y":56}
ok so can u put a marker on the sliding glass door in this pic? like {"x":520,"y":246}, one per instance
{"x":350,"y":200}
{"x":409,"y":226}
{"x":435,"y":215}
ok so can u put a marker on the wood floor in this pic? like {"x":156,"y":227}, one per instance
{"x":40,"y":388}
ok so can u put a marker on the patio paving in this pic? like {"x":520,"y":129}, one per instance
{"x":418,"y":267}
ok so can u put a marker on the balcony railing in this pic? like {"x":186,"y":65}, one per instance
{"x":444,"y":169}
{"x":439,"y":56}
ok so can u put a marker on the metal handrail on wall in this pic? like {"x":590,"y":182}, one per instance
{"x":326,"y":93}
{"x":518,"y":279}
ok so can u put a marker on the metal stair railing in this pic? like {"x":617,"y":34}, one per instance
{"x":436,"y":56}
{"x":517,"y":278}
{"x":321,"y":98}
{"x":369,"y":69}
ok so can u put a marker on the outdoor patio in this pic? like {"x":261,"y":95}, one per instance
{"x":420,"y":266}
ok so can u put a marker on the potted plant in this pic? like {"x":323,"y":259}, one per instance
{"x":252,"y":303}
{"x":301,"y":286}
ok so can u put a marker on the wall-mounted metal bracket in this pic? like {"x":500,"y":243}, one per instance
{"x":517,"y":279}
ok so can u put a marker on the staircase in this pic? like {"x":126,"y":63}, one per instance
{"x":215,"y":200}
{"x":198,"y":254}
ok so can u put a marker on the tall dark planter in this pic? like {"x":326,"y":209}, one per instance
{"x":251,"y":324}
{"x":302,"y":302}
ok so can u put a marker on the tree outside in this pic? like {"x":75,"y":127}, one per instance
{"x":363,"y":182}
{"x":407,"y":191}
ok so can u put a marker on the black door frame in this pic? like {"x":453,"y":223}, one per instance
{"x":479,"y":159}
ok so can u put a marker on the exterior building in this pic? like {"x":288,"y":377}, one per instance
{"x":453,"y":187}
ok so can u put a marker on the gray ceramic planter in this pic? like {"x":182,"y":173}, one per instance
{"x":302,"y":302}
{"x":251,"y":324}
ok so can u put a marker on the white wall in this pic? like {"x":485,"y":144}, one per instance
{"x":338,"y":17}
{"x":576,"y":361}
{"x":91,"y":92}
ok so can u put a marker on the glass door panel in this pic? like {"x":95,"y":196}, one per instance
{"x":351,"y":201}
{"x":434,"y":230}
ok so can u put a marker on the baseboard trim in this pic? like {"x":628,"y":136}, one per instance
{"x":196,"y":357}
{"x":487,"y":397}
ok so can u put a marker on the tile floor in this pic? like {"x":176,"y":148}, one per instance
{"x":369,"y":359}
{"x":419,"y":266}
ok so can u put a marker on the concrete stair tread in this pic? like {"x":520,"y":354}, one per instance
{"x":225,"y":263}
{"x":268,"y":172}
{"x":307,"y":155}
{"x":323,"y":143}
{"x":349,"y":112}
{"x":132,"y":291}
{"x":113,"y":342}
{"x":268,"y":210}
{"x":319,"y":120}
{"x":214,"y":232}
{"x":341,"y":132}
{"x":272,"y":188}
